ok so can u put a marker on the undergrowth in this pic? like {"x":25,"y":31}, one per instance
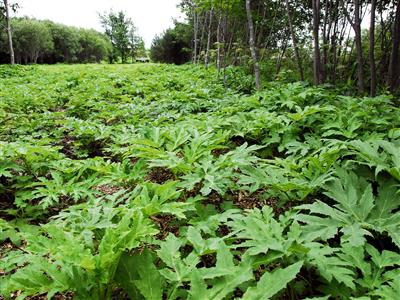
{"x":155,"y":182}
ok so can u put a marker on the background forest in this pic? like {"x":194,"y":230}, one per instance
{"x":344,"y":43}
{"x":347,"y":44}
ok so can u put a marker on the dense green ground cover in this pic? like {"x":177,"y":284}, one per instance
{"x":153,"y":182}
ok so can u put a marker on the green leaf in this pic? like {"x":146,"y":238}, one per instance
{"x":259,"y":231}
{"x":354,"y":235}
{"x":271,"y":283}
{"x":198,"y":287}
{"x":138,"y":273}
{"x":179,"y":269}
{"x":385,"y":259}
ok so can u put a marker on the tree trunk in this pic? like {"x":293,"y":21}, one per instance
{"x":372,"y":50}
{"x":383,"y":62}
{"x":252,"y":45}
{"x":356,"y":24}
{"x":225,"y":48}
{"x":347,"y":44}
{"x":9,"y":33}
{"x":394,"y":59}
{"x":280,"y":58}
{"x":294,"y":40}
{"x":207,"y":57}
{"x":219,"y":42}
{"x":334,"y":41}
{"x":269,"y":35}
{"x":360,"y":60}
{"x":229,"y":44}
{"x":195,"y":34}
{"x":325,"y":42}
{"x":317,"y":53}
{"x":203,"y":30}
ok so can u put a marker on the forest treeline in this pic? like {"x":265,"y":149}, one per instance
{"x":342,"y":43}
{"x":353,"y":45}
{"x":37,"y":41}
{"x":26,"y":40}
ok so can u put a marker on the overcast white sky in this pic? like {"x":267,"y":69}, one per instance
{"x":150,"y":16}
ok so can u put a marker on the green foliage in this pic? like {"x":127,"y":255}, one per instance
{"x":271,"y":283}
{"x":138,"y":276}
{"x":172,"y":46}
{"x":357,"y":212}
{"x":32,"y":39}
{"x":38,"y":41}
{"x":154,"y":182}
{"x":122,"y":33}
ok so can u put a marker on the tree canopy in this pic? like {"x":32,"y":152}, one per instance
{"x":48,"y":42}
{"x":322,"y":41}
{"x":123,"y":35}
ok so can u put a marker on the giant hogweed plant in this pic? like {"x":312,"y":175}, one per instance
{"x":82,"y":218}
{"x":83,"y":257}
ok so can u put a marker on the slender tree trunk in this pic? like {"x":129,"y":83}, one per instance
{"x":219,"y":42}
{"x":356,"y":24}
{"x":372,"y":50}
{"x":195,"y":35}
{"x":203,"y":30}
{"x":294,"y":40}
{"x":360,"y":59}
{"x":346,"y":52}
{"x":9,"y":32}
{"x":269,"y":35}
{"x":334,"y":41}
{"x":280,"y":58}
{"x":229,"y":45}
{"x":383,"y":65}
{"x":261,"y":33}
{"x":394,"y":59}
{"x":207,"y":58}
{"x":252,"y":45}
{"x":342,"y":38}
{"x":317,"y":52}
{"x":225,"y":48}
{"x":325,"y":42}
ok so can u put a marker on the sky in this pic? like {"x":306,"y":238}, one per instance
{"x":150,"y":16}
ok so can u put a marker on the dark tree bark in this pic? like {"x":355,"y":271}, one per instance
{"x":360,"y":59}
{"x":394,"y":58}
{"x":334,"y":41}
{"x":252,"y":45}
{"x":280,"y":58}
{"x":342,"y":45}
{"x":372,"y":50}
{"x":325,"y":34}
{"x":9,"y":32}
{"x":356,"y":24}
{"x":294,"y":40}
{"x":386,"y":42}
{"x":317,"y":52}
